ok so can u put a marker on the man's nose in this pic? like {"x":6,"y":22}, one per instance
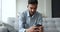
{"x":32,"y":10}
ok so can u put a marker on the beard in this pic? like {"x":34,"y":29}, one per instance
{"x":32,"y":13}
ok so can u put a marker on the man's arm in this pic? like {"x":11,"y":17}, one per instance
{"x":40,"y":20}
{"x":21,"y":19}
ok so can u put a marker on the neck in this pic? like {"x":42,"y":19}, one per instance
{"x":30,"y":14}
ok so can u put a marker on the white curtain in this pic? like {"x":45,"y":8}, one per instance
{"x":8,"y":9}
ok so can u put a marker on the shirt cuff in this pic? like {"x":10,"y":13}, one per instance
{"x":22,"y":30}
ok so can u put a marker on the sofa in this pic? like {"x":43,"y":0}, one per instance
{"x":50,"y":25}
{"x":4,"y":27}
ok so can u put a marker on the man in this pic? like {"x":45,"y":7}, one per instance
{"x":30,"y":18}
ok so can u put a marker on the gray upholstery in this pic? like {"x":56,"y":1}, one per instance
{"x":51,"y":24}
{"x":3,"y":29}
{"x":11,"y":21}
{"x":9,"y":26}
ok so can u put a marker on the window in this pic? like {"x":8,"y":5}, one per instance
{"x":8,"y":9}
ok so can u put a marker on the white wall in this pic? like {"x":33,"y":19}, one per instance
{"x":44,"y":7}
{"x":8,"y":9}
{"x":21,"y":5}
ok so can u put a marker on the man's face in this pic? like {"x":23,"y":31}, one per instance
{"x":32,"y":8}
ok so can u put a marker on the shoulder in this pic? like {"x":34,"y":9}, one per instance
{"x":38,"y":13}
{"x":24,"y":12}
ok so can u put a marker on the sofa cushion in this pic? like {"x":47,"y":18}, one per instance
{"x":51,"y":25}
{"x":3,"y":29}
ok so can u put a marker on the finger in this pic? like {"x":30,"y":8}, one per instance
{"x":33,"y":27}
{"x":36,"y":30}
{"x":41,"y":27}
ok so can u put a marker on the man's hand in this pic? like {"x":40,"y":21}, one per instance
{"x":31,"y":29}
{"x":41,"y":29}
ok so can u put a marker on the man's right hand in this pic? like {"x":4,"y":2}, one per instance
{"x":31,"y":29}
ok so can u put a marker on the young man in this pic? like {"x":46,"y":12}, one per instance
{"x":30,"y":18}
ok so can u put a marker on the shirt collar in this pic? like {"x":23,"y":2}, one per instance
{"x":29,"y":15}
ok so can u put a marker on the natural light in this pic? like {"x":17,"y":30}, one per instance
{"x":8,"y":9}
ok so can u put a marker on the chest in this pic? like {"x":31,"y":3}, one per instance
{"x":30,"y":21}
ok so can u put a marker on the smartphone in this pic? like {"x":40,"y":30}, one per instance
{"x":37,"y":25}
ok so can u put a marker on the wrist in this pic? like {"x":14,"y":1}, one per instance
{"x":26,"y":30}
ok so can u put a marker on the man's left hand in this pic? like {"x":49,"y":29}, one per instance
{"x":40,"y":29}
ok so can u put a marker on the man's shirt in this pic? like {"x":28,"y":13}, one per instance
{"x":26,"y":21}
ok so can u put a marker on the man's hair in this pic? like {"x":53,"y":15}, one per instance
{"x":32,"y":1}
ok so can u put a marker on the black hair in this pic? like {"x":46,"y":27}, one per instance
{"x":32,"y":1}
